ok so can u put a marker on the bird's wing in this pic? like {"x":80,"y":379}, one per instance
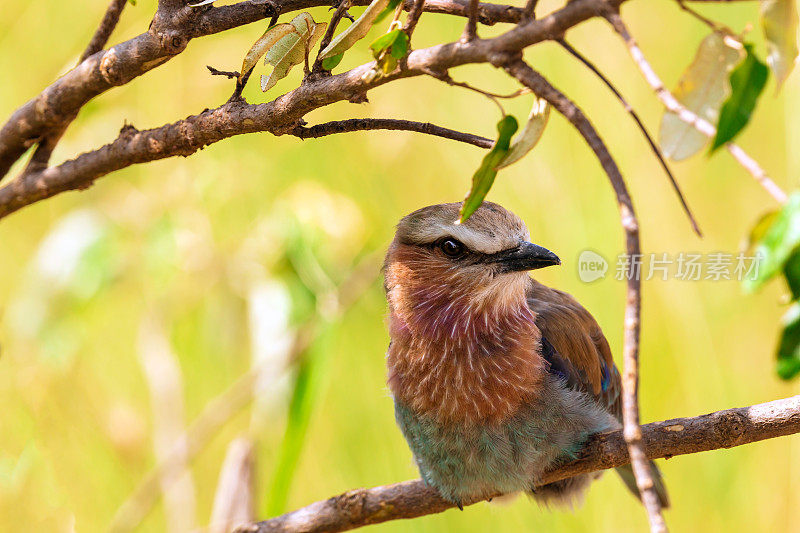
{"x":575,"y":347}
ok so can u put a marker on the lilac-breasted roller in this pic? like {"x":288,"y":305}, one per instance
{"x":496,"y":378}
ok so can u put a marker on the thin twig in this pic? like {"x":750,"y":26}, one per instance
{"x":494,"y":97}
{"x":340,"y":12}
{"x":635,"y":116}
{"x":105,"y":29}
{"x":413,"y":17}
{"x":530,"y":10}
{"x":230,"y":74}
{"x":273,"y":20}
{"x":680,"y":436}
{"x":707,"y":21}
{"x":701,"y":125}
{"x":44,"y":149}
{"x":363,"y":124}
{"x":306,"y":52}
{"x":471,"y":30}
{"x":630,"y":395}
{"x":450,"y":81}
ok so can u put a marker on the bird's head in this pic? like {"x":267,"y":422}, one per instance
{"x":479,"y":265}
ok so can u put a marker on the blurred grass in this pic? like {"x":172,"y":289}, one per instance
{"x":190,"y":237}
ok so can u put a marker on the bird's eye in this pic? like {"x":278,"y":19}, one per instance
{"x":451,"y":247}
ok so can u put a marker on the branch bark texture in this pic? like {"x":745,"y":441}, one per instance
{"x":680,"y":436}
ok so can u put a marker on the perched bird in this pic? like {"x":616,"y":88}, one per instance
{"x":495,"y":377}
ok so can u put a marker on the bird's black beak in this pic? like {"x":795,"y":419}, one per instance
{"x":526,"y":256}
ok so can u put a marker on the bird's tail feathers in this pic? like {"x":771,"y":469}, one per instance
{"x":567,"y":493}
{"x":626,"y":473}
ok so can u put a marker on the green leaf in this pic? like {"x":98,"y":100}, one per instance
{"x":386,"y":12}
{"x":779,"y":21}
{"x":778,"y":244}
{"x":788,"y":365}
{"x":260,"y":47}
{"x":400,"y":46}
{"x":702,"y":88}
{"x":531,"y":133}
{"x":760,"y":228}
{"x":356,"y":31}
{"x":395,"y":43}
{"x":484,"y":177}
{"x":791,"y":271}
{"x":291,"y":49}
{"x":384,"y":42}
{"x":329,"y":63}
{"x":747,"y":82}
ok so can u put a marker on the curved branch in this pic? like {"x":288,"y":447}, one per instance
{"x":104,"y":30}
{"x":411,"y":499}
{"x":630,"y":350}
{"x":365,"y":124}
{"x":635,"y":116}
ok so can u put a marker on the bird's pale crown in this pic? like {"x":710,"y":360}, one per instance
{"x":489,"y":230}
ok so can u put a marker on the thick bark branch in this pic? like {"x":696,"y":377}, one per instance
{"x":411,"y":499}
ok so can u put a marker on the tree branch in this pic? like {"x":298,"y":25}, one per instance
{"x":168,"y":36}
{"x":123,"y":62}
{"x":41,"y":156}
{"x":471,"y":31}
{"x":630,"y":350}
{"x":679,"y":436}
{"x":341,"y":10}
{"x":688,"y":116}
{"x":413,"y":17}
{"x":364,"y":124}
{"x":103,"y":32}
{"x":635,"y":116}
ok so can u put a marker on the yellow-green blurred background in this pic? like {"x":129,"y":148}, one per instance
{"x":127,"y":308}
